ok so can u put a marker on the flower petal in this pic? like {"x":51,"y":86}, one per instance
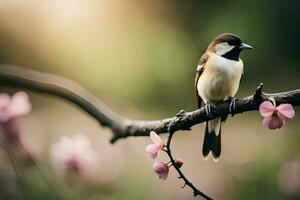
{"x":266,"y":109}
{"x":154,"y":155}
{"x":273,"y":122}
{"x":161,"y":169}
{"x":286,"y":110}
{"x":4,"y":100}
{"x":266,"y":121}
{"x":276,"y":123}
{"x":156,"y":139}
{"x":4,"y":104}
{"x":153,"y":150}
{"x":164,"y":176}
{"x":73,"y":152}
{"x":20,"y":105}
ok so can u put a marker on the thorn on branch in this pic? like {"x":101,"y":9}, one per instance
{"x":114,"y":138}
{"x":181,"y":113}
{"x":257,"y":96}
{"x":181,"y":118}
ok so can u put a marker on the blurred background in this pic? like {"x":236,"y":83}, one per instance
{"x":140,"y":58}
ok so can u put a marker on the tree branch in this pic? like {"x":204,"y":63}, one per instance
{"x":196,"y":191}
{"x":123,"y":127}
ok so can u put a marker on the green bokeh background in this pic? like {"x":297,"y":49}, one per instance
{"x":140,"y":58}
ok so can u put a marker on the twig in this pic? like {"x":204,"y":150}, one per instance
{"x":196,"y":191}
{"x":20,"y":176}
{"x":36,"y":165}
{"x":120,"y":126}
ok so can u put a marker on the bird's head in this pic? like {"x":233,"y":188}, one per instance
{"x":228,"y":46}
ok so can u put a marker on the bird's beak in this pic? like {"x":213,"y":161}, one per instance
{"x":245,"y":46}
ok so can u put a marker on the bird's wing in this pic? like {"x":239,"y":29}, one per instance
{"x":200,"y":69}
{"x":241,"y":77}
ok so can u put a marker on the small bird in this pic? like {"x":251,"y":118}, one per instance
{"x":219,"y":73}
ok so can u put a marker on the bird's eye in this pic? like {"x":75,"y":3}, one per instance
{"x":234,"y":42}
{"x":231,"y":43}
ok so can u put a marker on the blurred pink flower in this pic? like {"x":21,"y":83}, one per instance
{"x":156,"y":147}
{"x":289,"y":178}
{"x":274,"y":117}
{"x":12,"y":107}
{"x":161,"y":169}
{"x":73,"y":153}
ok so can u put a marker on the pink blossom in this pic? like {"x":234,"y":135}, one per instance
{"x":161,"y":169}
{"x":73,"y":153}
{"x":274,"y":117}
{"x":289,"y":178}
{"x":156,"y":147}
{"x":12,"y":107}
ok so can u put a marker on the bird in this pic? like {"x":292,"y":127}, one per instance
{"x":219,"y":73}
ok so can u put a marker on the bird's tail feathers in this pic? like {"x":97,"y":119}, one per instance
{"x":212,"y":139}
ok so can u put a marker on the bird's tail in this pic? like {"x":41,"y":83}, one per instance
{"x":212,"y":138}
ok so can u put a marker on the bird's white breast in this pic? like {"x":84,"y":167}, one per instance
{"x":220,"y":78}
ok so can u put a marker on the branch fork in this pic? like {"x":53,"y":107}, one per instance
{"x":196,"y":191}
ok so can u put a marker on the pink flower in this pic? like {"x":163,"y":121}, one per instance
{"x":156,"y":147}
{"x":274,"y":117}
{"x":12,"y":107}
{"x":161,"y":169}
{"x":73,"y":153}
{"x":289,"y":178}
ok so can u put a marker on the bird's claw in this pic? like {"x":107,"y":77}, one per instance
{"x":208,"y":109}
{"x":232,"y":106}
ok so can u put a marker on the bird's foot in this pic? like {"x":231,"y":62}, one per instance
{"x":232,"y":106}
{"x":208,"y":107}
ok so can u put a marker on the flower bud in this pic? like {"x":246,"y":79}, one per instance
{"x":161,"y":169}
{"x":179,"y":162}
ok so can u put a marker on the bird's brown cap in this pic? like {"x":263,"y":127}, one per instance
{"x":230,"y":38}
